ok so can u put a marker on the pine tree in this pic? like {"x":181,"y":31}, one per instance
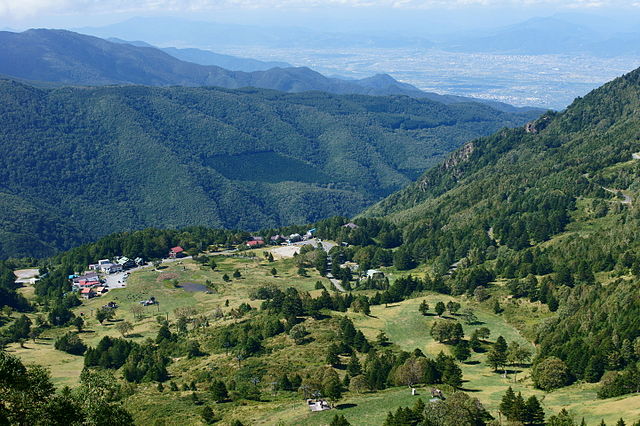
{"x":219,"y":391}
{"x":332,"y":355}
{"x":501,"y":345}
{"x":346,"y":381}
{"x":461,"y":350}
{"x":207,"y":415}
{"x":285,"y":383}
{"x":506,"y":404}
{"x":452,"y":375}
{"x":535,"y":412}
{"x":424,"y":307}
{"x":354,"y":368}
{"x":340,"y":421}
{"x":518,"y":410}
{"x":497,"y":309}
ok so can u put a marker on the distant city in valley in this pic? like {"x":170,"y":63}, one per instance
{"x":547,"y":81}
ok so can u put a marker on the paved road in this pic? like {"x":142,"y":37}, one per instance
{"x":627,"y":198}
{"x":119,"y":279}
{"x":336,"y":283}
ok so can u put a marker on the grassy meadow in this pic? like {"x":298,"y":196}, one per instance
{"x":405,"y":326}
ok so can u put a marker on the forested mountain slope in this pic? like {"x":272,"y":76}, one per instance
{"x":82,"y":162}
{"x":553,"y":209}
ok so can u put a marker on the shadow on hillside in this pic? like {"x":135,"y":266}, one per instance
{"x":345,"y":406}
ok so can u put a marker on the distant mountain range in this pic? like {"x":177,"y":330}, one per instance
{"x":551,"y":35}
{"x":562,"y":34}
{"x":74,"y":59}
{"x":206,"y":57}
{"x":78,"y":163}
{"x":169,"y":31}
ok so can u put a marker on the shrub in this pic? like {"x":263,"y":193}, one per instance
{"x":70,"y":343}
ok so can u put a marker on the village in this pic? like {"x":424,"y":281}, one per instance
{"x":108,"y":274}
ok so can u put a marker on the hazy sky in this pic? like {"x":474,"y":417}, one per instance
{"x":327,"y":14}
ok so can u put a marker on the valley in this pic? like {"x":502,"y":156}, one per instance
{"x":183,"y":243}
{"x":549,"y":81}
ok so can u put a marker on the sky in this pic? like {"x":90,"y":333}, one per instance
{"x":333,"y":15}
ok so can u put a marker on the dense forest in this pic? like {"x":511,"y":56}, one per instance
{"x":78,"y":163}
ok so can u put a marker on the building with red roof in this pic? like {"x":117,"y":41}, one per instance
{"x":176,"y":252}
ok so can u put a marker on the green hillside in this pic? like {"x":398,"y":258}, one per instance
{"x":552,"y":210}
{"x":78,"y":163}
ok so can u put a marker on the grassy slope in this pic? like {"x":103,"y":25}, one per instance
{"x":141,"y":285}
{"x":402,"y":322}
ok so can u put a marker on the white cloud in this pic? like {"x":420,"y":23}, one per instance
{"x":24,"y":8}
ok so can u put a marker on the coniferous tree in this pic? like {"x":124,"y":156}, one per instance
{"x":353,"y":367}
{"x":535,"y":412}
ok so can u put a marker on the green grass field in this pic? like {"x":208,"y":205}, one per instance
{"x":65,"y":368}
{"x":403,"y":324}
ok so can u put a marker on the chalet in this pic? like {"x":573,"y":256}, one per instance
{"x":125,"y":262}
{"x":176,"y":252}
{"x":111,"y":268}
{"x":87,"y":293}
{"x":350,"y":225}
{"x":318,"y":405}
{"x":255,"y":243}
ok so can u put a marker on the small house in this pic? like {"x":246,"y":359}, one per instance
{"x":176,"y":252}
{"x":126,"y":262}
{"x":101,"y":290}
{"x":111,"y":268}
{"x":139,"y":261}
{"x":374,"y":274}
{"x":87,"y":293}
{"x":350,"y":225}
{"x":149,"y":301}
{"x":255,"y":243}
{"x":318,"y":405}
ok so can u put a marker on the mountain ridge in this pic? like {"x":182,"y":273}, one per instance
{"x":243,"y":158}
{"x":61,"y":56}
